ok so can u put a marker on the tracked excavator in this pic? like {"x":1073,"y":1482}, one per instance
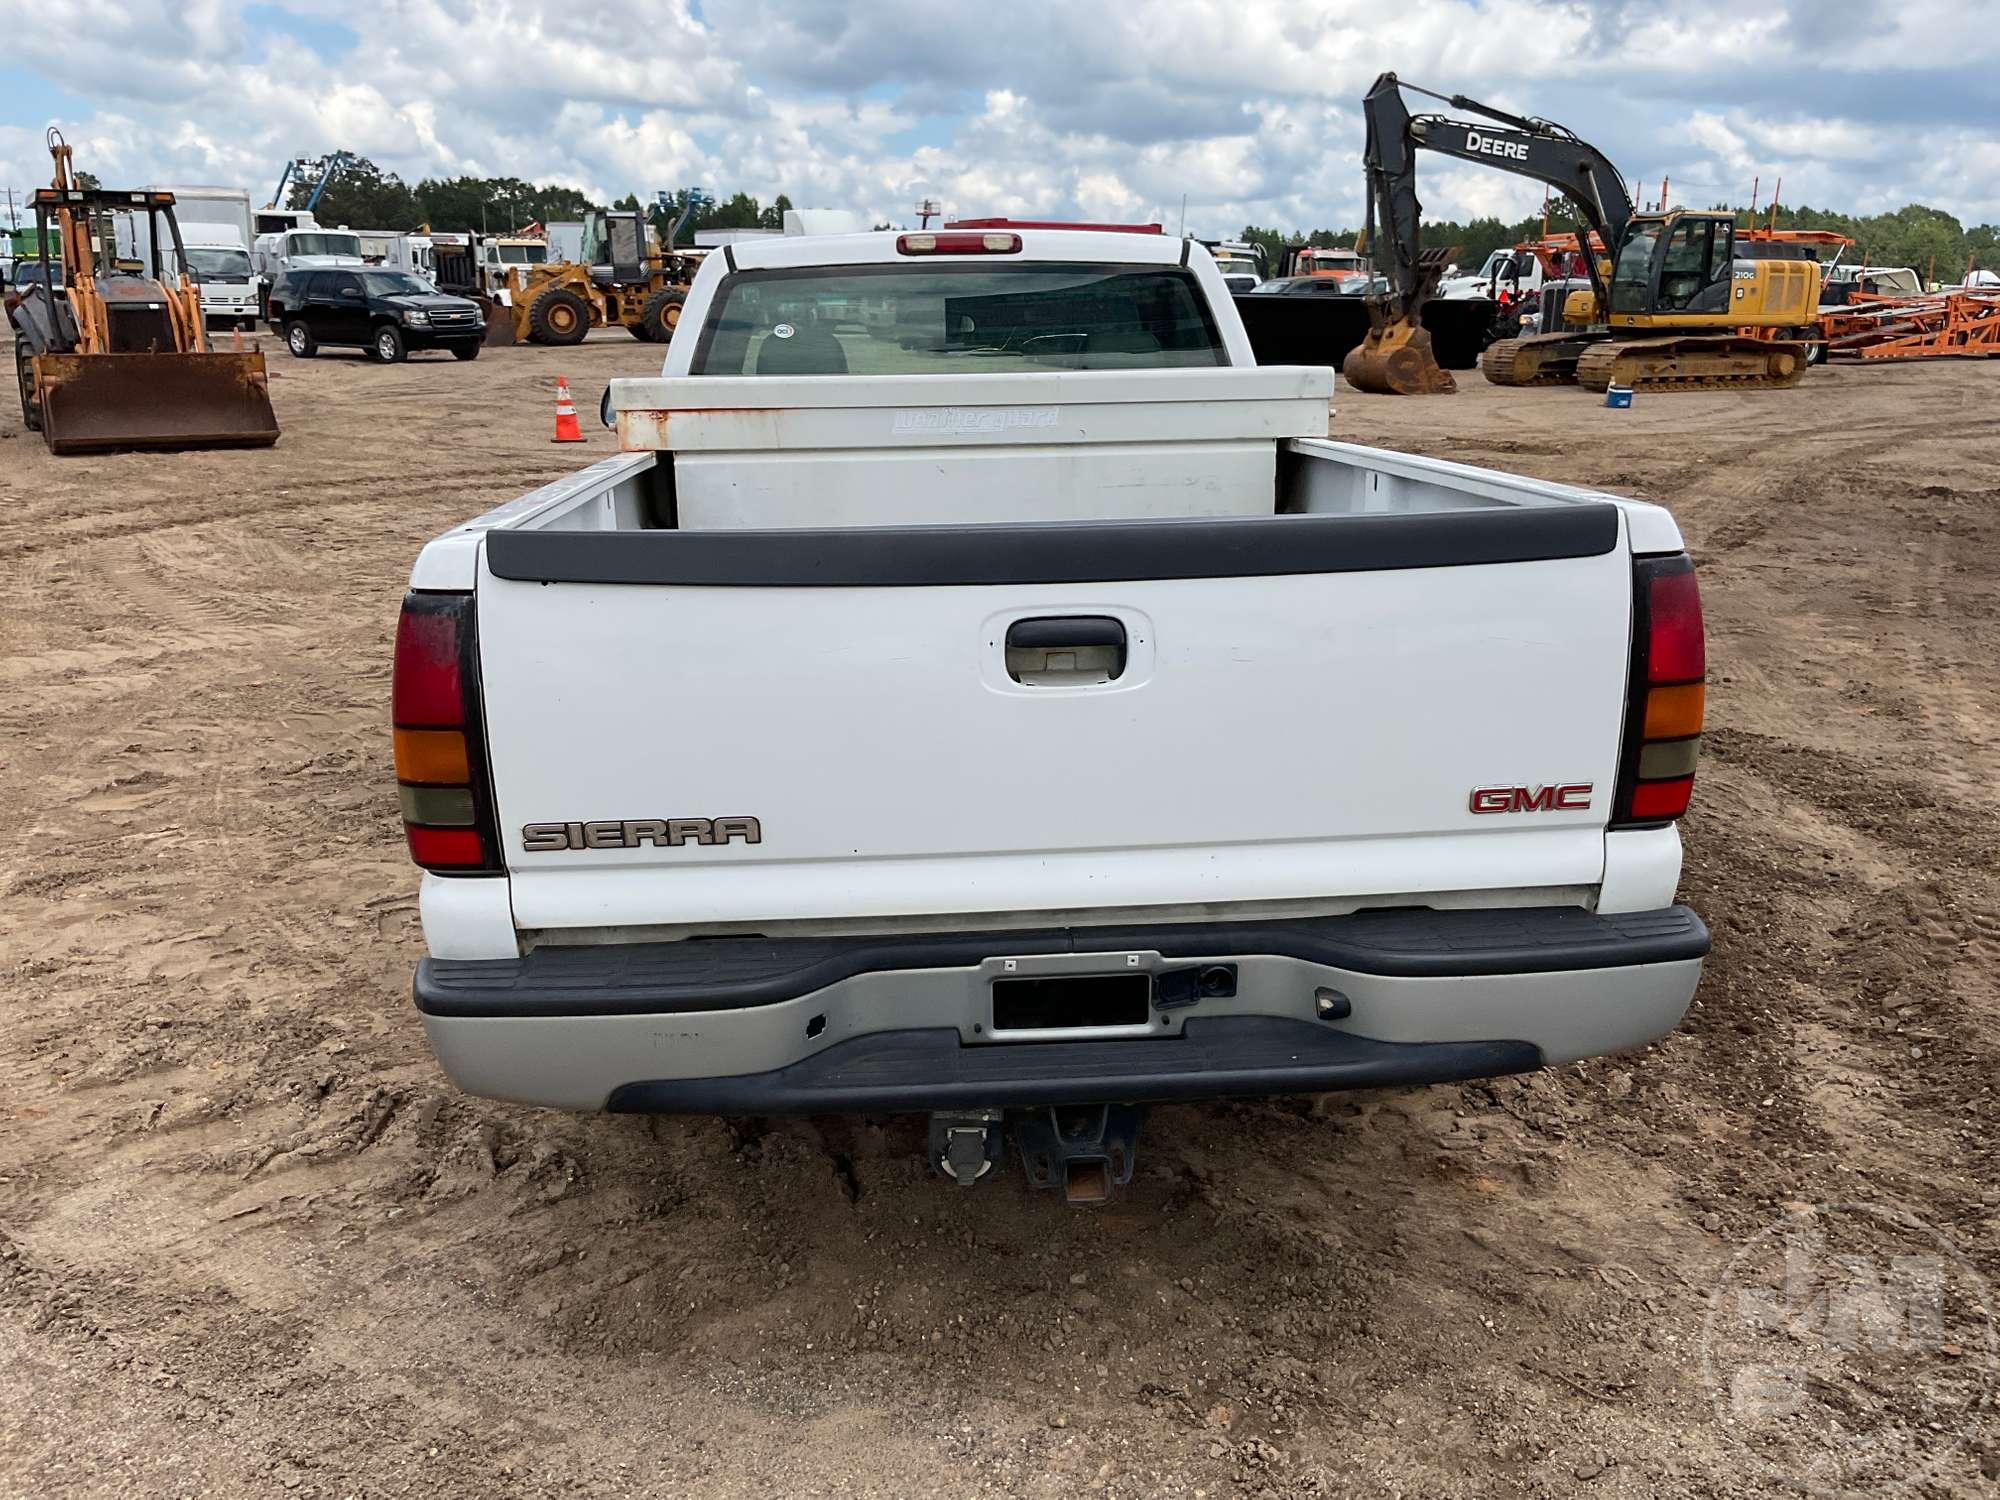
{"x":1666,"y":307}
{"x":110,"y":357}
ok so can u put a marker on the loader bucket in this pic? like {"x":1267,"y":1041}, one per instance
{"x":101,"y":403}
{"x":499,"y":322}
{"x":1396,"y":360}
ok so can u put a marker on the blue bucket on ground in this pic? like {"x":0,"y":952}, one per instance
{"x":1618,"y":395}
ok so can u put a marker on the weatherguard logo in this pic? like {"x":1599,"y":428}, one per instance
{"x":953,"y":421}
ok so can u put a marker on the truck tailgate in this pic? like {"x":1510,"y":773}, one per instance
{"x":1304,"y":708}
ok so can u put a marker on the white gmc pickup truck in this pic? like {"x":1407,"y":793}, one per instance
{"x":979,"y":688}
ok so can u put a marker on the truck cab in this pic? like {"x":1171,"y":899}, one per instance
{"x":394,"y":250}
{"x":1847,"y":283}
{"x":1241,"y":264}
{"x":504,"y":260}
{"x":305,"y":249}
{"x":1310,"y":260}
{"x":230,"y":286}
{"x":1517,"y":271}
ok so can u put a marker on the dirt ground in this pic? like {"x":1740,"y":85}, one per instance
{"x":252,"y":1243}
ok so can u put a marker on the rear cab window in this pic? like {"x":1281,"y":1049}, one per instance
{"x":945,"y":317}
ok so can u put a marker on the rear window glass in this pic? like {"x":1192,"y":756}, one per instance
{"x":923,"y":320}
{"x":395,"y":284}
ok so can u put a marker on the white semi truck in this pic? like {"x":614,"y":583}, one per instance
{"x":396,"y":250}
{"x":305,"y":246}
{"x":1031,"y":718}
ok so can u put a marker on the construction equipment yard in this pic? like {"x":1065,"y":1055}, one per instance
{"x":256,"y":1244}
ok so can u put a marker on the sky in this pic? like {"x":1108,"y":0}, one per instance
{"x":1247,"y":109}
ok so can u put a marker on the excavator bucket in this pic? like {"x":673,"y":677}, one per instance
{"x":101,"y":403}
{"x":1396,"y":359}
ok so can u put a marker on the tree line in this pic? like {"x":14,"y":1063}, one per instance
{"x":362,"y":195}
{"x":1931,"y":241}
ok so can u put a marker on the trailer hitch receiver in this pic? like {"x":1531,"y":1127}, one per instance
{"x":1086,"y":1151}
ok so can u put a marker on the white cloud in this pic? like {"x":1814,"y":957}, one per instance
{"x":1038,"y":107}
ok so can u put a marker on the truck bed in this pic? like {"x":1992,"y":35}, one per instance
{"x":636,"y":492}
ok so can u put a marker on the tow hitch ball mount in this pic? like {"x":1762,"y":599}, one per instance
{"x":1084,"y":1150}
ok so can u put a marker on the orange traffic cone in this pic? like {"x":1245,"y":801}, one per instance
{"x":566,"y":429}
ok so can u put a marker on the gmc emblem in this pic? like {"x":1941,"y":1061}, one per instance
{"x":1570,"y":796}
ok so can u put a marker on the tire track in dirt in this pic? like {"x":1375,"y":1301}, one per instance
{"x":265,"y":1245}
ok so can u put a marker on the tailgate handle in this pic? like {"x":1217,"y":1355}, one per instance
{"x":1066,"y":650}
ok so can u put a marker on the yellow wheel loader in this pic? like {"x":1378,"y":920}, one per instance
{"x":109,"y":359}
{"x":1666,"y":308}
{"x":620,"y":283}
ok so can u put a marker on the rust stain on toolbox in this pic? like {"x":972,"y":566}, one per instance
{"x":644,"y":429}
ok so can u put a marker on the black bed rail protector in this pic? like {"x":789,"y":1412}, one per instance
{"x":1218,"y":1057}
{"x":729,"y":973}
{"x":1061,"y":552}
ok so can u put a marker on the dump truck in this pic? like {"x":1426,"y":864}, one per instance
{"x":108,"y":358}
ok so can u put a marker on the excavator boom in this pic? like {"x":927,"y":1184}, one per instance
{"x":1685,"y":312}
{"x":1393,"y":360}
{"x":1396,"y":358}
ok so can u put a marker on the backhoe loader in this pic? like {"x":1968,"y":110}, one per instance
{"x":108,"y":358}
{"x":1666,"y":308}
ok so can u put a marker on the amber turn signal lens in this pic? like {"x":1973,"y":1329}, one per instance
{"x":1674,"y":713}
{"x":435,"y":756}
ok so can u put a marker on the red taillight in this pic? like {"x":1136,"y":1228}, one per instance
{"x":1664,"y":715}
{"x":427,"y":693}
{"x":950,"y":243}
{"x":446,"y":812}
{"x":445,"y":848}
{"x":1657,"y":801}
{"x":1675,"y":651}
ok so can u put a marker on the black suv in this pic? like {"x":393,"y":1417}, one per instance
{"x":388,"y":313}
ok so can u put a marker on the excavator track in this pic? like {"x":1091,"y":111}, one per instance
{"x":1692,"y":364}
{"x":1529,"y":361}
